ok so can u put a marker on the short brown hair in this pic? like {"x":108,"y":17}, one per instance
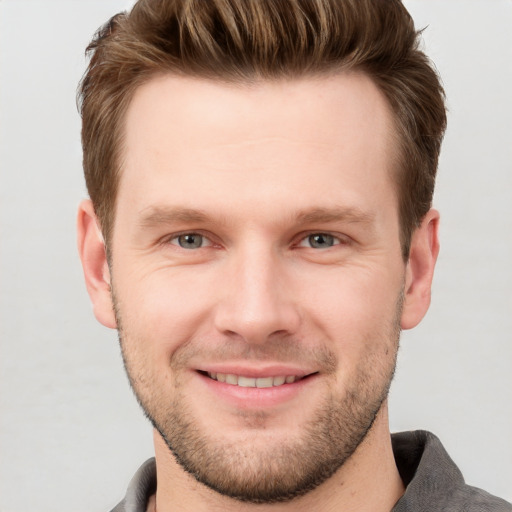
{"x":247,"y":40}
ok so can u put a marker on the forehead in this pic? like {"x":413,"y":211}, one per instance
{"x":213,"y":141}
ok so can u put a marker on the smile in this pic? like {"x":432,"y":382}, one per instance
{"x":252,"y":382}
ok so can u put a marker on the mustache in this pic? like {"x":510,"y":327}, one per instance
{"x":280,"y":350}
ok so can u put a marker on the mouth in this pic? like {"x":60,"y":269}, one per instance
{"x":255,"y":382}
{"x":251,"y":389}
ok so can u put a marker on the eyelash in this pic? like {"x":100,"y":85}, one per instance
{"x":177,"y":236}
{"x":336,"y":240}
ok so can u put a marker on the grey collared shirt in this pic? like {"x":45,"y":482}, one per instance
{"x":433,"y":482}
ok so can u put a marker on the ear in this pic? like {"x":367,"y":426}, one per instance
{"x":420,"y":270}
{"x":91,"y":248}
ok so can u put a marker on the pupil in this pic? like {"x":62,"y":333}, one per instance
{"x":190,"y":241}
{"x":321,"y":240}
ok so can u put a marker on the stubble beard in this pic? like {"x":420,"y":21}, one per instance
{"x":275,"y":472}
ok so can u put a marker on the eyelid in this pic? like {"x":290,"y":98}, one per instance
{"x":339,"y":238}
{"x":172,"y":238}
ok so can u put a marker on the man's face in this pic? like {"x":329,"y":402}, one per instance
{"x":257,"y":274}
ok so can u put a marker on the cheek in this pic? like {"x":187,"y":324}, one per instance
{"x":163,"y":307}
{"x":347,"y":296}
{"x":357,"y":313}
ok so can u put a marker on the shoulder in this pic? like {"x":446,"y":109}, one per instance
{"x":140,"y":489}
{"x":433,"y":481}
{"x":472,"y":499}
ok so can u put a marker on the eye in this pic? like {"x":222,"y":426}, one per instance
{"x":190,"y":241}
{"x":319,"y":241}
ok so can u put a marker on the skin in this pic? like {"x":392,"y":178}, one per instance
{"x":267,"y":166}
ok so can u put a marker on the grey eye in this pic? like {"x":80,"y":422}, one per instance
{"x":190,"y":241}
{"x":321,"y":241}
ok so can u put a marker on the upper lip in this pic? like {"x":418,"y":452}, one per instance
{"x":273,"y":370}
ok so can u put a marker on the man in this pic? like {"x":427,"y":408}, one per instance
{"x":259,"y":232}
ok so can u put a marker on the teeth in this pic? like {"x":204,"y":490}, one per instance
{"x":252,"y":382}
{"x":264,"y":382}
{"x":279,"y":381}
{"x":246,"y":382}
{"x":231,"y":379}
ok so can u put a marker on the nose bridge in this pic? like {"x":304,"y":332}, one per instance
{"x":257,"y":300}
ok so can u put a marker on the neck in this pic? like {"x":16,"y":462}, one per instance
{"x":368,"y":481}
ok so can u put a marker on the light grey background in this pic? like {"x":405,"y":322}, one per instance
{"x":71,"y":434}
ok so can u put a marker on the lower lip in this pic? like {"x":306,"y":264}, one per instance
{"x":256,"y":398}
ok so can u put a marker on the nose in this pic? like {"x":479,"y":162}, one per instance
{"x":257,"y":299}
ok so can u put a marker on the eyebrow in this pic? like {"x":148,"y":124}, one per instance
{"x":157,"y":215}
{"x":337,"y":214}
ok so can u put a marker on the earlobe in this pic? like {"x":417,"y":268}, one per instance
{"x":91,"y":248}
{"x":420,"y":270}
